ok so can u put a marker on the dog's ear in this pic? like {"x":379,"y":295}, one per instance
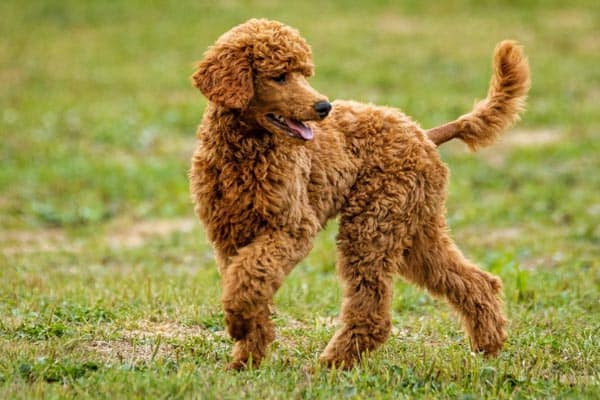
{"x":224,"y":76}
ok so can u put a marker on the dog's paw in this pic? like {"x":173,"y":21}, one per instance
{"x":247,"y":353}
{"x":336,"y":361}
{"x":489,"y":335}
{"x":242,"y":363}
{"x":333,"y":363}
{"x":490,"y":343}
{"x":237,"y":365}
{"x":342,"y":351}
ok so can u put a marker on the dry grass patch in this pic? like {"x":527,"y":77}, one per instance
{"x":38,"y":240}
{"x":122,"y":233}
{"x":487,"y":237}
{"x":398,"y":25}
{"x":148,"y":341}
{"x":515,"y":139}
{"x":134,"y":234}
{"x":167,"y":329}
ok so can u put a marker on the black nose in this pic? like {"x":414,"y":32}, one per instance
{"x":323,"y":108}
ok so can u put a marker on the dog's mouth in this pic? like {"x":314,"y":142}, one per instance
{"x":291,"y":127}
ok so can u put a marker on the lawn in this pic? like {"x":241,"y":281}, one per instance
{"x":108,"y":287}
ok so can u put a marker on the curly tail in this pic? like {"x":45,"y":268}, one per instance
{"x":505,"y":100}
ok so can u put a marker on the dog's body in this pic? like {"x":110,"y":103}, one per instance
{"x":275,"y":161}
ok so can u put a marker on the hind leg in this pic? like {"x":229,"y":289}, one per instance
{"x":435,"y":263}
{"x":369,"y":242}
{"x":365,"y":312}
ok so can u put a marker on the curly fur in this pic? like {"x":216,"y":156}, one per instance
{"x":263,"y":196}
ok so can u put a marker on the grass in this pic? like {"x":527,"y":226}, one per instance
{"x":108,"y":288}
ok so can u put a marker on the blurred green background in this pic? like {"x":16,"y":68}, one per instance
{"x":98,"y":115}
{"x":100,"y":247}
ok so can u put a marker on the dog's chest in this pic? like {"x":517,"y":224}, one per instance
{"x":238,"y":200}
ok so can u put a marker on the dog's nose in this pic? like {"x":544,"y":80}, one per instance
{"x":323,"y":108}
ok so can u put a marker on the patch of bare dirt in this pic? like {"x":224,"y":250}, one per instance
{"x":127,"y":234}
{"x":130,"y":351}
{"x":589,"y":43}
{"x":496,"y":154}
{"x":543,"y":262}
{"x":147,"y":341}
{"x":397,"y":24}
{"x":328,"y":322}
{"x":529,"y":138}
{"x":119,"y":234}
{"x":27,"y":241}
{"x":11,"y":77}
{"x":169,"y":330}
{"x":486,"y":237}
{"x":567,"y":19}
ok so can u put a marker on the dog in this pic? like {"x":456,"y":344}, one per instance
{"x":276,"y":160}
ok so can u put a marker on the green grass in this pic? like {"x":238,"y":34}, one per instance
{"x":108,"y":287}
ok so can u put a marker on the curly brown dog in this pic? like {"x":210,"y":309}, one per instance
{"x":275,"y":160}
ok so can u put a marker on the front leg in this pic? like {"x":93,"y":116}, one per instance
{"x":250,"y":281}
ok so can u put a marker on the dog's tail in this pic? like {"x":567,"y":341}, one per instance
{"x":505,"y":100}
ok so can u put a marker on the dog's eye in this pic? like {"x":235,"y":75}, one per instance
{"x":280,"y":78}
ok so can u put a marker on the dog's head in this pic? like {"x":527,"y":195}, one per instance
{"x":261,"y":68}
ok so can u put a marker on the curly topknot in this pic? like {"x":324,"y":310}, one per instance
{"x":276,"y":48}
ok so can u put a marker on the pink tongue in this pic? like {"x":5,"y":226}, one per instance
{"x":304,"y":131}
